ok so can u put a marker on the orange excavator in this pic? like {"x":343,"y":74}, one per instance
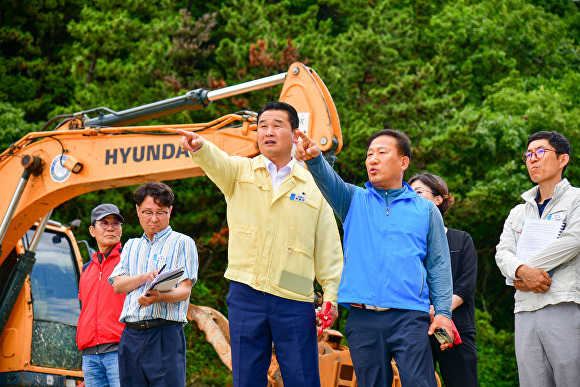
{"x":40,"y":260}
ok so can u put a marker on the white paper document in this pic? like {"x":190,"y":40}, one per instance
{"x":164,"y":282}
{"x":167,"y":280}
{"x":536,"y":235}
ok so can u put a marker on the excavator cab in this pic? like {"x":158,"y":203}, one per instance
{"x":39,"y":346}
{"x":54,"y":283}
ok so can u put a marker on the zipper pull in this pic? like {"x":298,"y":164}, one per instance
{"x":387,"y":210}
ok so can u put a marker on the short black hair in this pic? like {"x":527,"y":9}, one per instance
{"x":403,"y":142}
{"x":161,"y":193}
{"x":557,"y":140}
{"x":277,"y":105}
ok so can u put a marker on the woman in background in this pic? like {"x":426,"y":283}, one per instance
{"x":458,"y":365}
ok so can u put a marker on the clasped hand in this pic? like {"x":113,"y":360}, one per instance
{"x":532,"y":279}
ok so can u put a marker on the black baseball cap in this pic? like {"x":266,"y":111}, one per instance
{"x":102,"y":210}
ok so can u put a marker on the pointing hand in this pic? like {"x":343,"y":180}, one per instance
{"x":190,"y":141}
{"x":305,"y":149}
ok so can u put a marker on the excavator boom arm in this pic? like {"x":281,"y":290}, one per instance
{"x":192,"y":100}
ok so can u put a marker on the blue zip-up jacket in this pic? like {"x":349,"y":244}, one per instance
{"x":396,"y":251}
{"x":384,"y":262}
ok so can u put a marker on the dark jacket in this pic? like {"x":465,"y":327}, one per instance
{"x":464,"y":272}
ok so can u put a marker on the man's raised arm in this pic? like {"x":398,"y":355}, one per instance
{"x":336,"y":192}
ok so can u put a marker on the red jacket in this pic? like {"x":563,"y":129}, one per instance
{"x":101,"y":307}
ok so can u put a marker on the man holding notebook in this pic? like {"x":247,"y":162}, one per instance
{"x":152,"y":346}
{"x":547,"y":280}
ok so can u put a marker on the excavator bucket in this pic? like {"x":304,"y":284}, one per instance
{"x":305,"y":91}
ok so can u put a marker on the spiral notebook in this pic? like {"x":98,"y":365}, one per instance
{"x":535,"y":236}
{"x":167,"y":280}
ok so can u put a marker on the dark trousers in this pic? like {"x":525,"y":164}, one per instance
{"x":458,"y":364}
{"x":152,"y":357}
{"x":256,"y":320}
{"x":376,"y":337}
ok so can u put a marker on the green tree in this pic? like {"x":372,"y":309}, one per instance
{"x":13,"y":124}
{"x":118,"y":50}
{"x":33,"y":41}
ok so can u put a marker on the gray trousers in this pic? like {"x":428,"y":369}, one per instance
{"x":548,"y":346}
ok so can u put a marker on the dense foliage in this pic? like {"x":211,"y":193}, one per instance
{"x":467,"y":80}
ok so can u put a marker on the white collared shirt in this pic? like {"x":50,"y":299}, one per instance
{"x":278,"y":176}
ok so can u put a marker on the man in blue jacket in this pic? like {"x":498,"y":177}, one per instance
{"x":395,"y":258}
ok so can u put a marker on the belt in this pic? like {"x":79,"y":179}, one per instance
{"x":101,"y":348}
{"x":371,"y":307}
{"x":146,"y":324}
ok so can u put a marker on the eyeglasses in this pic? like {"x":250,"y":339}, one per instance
{"x":539,"y":153}
{"x":159,"y":214}
{"x":106,"y":224}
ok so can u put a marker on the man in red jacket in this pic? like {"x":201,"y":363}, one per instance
{"x":99,"y":329}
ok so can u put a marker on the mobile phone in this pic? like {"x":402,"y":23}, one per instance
{"x":442,"y":336}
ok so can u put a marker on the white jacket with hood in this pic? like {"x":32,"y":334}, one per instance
{"x":561,"y":255}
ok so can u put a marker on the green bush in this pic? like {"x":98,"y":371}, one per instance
{"x":496,"y":354}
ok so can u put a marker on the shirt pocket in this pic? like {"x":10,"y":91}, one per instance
{"x":296,"y":272}
{"x":300,"y":215}
{"x":243,"y":247}
{"x":248,"y":203}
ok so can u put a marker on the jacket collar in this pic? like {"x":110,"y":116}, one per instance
{"x":298,"y":170}
{"x":406,"y":194}
{"x":561,"y":187}
{"x":115,"y":251}
{"x":298,"y":173}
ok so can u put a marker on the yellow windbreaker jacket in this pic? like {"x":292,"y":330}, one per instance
{"x":278,"y":242}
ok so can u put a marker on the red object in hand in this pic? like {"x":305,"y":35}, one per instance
{"x":456,"y":337}
{"x":324,"y":317}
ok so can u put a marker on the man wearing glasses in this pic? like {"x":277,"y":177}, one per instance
{"x":152,"y":347}
{"x":547,"y":280}
{"x":98,"y":328}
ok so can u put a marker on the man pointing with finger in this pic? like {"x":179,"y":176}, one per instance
{"x":395,"y":258}
{"x":282,"y":236}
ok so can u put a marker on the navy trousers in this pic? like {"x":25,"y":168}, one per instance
{"x":152,"y":357}
{"x":257,"y":320}
{"x":376,"y":337}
